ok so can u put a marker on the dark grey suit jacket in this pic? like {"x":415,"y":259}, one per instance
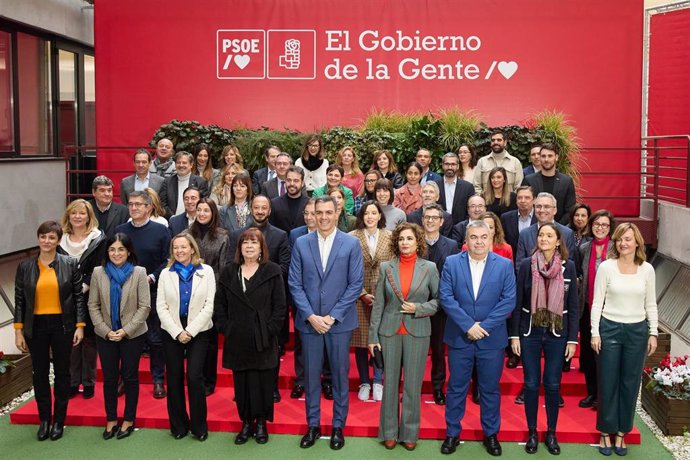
{"x":169,"y":192}
{"x":509,"y":221}
{"x":118,"y":214}
{"x":563,"y":190}
{"x":258,"y":178}
{"x":127,"y":186}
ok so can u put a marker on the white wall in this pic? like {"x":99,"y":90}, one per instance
{"x":674,"y":237}
{"x":70,"y":18}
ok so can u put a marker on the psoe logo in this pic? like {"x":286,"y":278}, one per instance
{"x":291,"y":54}
{"x":240,"y":54}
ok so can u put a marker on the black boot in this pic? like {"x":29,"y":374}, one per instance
{"x":261,"y":431}
{"x":245,"y":433}
{"x":532,"y":443}
{"x":552,"y":443}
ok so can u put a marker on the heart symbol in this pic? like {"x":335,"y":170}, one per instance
{"x":507,"y":69}
{"x":242,"y":60}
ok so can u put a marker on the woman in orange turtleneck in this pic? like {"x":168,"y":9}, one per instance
{"x":49,"y":315}
{"x":406,"y":296}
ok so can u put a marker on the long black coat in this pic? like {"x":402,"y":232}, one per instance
{"x":251,"y":321}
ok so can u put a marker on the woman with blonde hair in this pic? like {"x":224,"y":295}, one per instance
{"x":156,"y":211}
{"x":185,"y":307}
{"x":353,"y":178}
{"x":84,"y":242}
{"x":498,"y":196}
{"x":231,"y":155}
{"x":222,"y":192}
{"x":622,"y":333}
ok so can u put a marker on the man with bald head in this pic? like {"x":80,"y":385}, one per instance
{"x":164,"y":164}
{"x":476,"y":206}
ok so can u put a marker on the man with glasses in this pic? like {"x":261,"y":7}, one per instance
{"x":151,"y":242}
{"x":430,"y":196}
{"x":454,"y":192}
{"x":498,"y":156}
{"x":545,"y":209}
{"x":476,"y":206}
{"x":439,"y":247}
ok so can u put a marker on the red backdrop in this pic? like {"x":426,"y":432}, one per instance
{"x":164,"y":59}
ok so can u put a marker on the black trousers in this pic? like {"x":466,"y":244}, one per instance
{"x":154,"y":339}
{"x":83,"y":362}
{"x":438,"y":350}
{"x":211,"y":363}
{"x":195,"y":353}
{"x":49,"y":334}
{"x":121,"y":357}
{"x":588,"y":359}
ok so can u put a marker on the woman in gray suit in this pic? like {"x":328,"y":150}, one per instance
{"x":119,"y":303}
{"x":237,"y":213}
{"x":406,"y":296}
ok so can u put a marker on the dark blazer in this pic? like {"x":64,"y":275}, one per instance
{"x":296,"y":233}
{"x":495,"y":301}
{"x":169,"y":192}
{"x":270,"y":188}
{"x":521,"y":320}
{"x":443,"y":248}
{"x":430,"y":176}
{"x":528,"y":240}
{"x":415,"y":217}
{"x":251,"y":320}
{"x":69,"y":286}
{"x":527,"y":170}
{"x":281,"y":216}
{"x":563,"y":190}
{"x":117,"y":214}
{"x":458,"y":232}
{"x":277,"y":241}
{"x":228,"y":218}
{"x":258,"y":178}
{"x":463,"y":191}
{"x":331,"y":292}
{"x":509,"y":221}
{"x":178,"y":224}
{"x":127,"y":185}
{"x":584,"y":252}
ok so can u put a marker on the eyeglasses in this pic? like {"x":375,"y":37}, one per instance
{"x":314,"y":145}
{"x":369,"y":181}
{"x":135,"y":205}
{"x":477,"y":206}
{"x":543,"y":206}
{"x":600,"y":225}
{"x":432,"y":218}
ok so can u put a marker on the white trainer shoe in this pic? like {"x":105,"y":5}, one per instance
{"x":364,"y":390}
{"x":378,"y":392}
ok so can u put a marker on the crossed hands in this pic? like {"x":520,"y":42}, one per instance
{"x":321,"y":324}
{"x":184,"y":337}
{"x":476,"y":332}
{"x":116,"y":336}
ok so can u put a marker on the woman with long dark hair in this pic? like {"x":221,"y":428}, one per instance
{"x":545,"y":320}
{"x":119,"y":303}
{"x":203,"y":164}
{"x":313,"y":163}
{"x":368,"y":189}
{"x":579,"y":222}
{"x":468,"y":160}
{"x":408,"y":198}
{"x":250,"y":309}
{"x":49,"y":319}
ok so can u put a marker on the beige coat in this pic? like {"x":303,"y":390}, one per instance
{"x":200,"y":305}
{"x":360,"y":336}
{"x":135,"y":303}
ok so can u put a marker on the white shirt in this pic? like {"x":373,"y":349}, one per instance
{"x":372,"y":241}
{"x":271,"y":174}
{"x":449,"y":189}
{"x":141,"y":184}
{"x":182,"y":184}
{"x":325,"y":246}
{"x":477,"y":270}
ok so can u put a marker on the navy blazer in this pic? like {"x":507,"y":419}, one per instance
{"x":527,"y":170}
{"x":169,"y":192}
{"x":521,"y":321}
{"x":430,"y":176}
{"x":258,"y":178}
{"x":443,"y":248}
{"x":509,"y":222}
{"x":563,"y":191}
{"x":495,"y":301}
{"x":296,"y":233}
{"x":178,"y":224}
{"x":331,"y":292}
{"x":463,"y":191}
{"x":528,"y":241}
{"x":415,"y":217}
{"x":458,"y":232}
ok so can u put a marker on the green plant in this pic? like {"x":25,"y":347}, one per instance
{"x":388,"y":121}
{"x":5,"y":363}
{"x":253,"y":143}
{"x":187,"y":134}
{"x":457,"y":128}
{"x":552,"y":126}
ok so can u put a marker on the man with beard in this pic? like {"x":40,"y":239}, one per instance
{"x":519,"y":219}
{"x":549,"y":180}
{"x":453,"y":191}
{"x":287,"y":209}
{"x":499,"y":156}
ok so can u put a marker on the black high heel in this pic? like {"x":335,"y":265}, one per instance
{"x":111,"y":434}
{"x":606,"y":450}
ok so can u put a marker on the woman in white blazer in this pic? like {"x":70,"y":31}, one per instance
{"x":185,"y":306}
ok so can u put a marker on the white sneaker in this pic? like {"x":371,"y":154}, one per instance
{"x":364,"y":390}
{"x":378,"y":392}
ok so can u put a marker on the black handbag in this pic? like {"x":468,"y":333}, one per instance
{"x":378,"y":358}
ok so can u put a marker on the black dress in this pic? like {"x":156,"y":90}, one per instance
{"x":499,"y":208}
{"x":250,"y":312}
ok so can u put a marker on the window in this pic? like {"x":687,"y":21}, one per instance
{"x":33,"y":64}
{"x":6,"y":107}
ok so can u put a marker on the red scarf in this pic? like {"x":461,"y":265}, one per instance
{"x":592,"y":267}
{"x":548,"y":289}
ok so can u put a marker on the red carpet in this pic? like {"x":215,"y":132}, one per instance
{"x":574,"y":424}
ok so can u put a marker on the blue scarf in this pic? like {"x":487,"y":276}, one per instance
{"x":117,"y":276}
{"x":185,"y":273}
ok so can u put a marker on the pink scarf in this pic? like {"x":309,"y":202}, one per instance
{"x":592,"y":267}
{"x":548,"y":288}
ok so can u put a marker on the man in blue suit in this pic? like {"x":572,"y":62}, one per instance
{"x":477,"y":292}
{"x":545,"y":208}
{"x":519,"y":219}
{"x":326,"y":278}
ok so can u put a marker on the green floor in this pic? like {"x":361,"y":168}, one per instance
{"x":18,"y":441}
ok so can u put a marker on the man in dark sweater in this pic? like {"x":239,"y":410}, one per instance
{"x":287,"y":210}
{"x":152,"y":247}
{"x":439,"y":247}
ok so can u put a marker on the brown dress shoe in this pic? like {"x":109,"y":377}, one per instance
{"x":159,"y":391}
{"x":389,"y":444}
{"x":409,"y":445}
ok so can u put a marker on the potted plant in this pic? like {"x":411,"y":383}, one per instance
{"x":15,"y":376}
{"x":666,"y":394}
